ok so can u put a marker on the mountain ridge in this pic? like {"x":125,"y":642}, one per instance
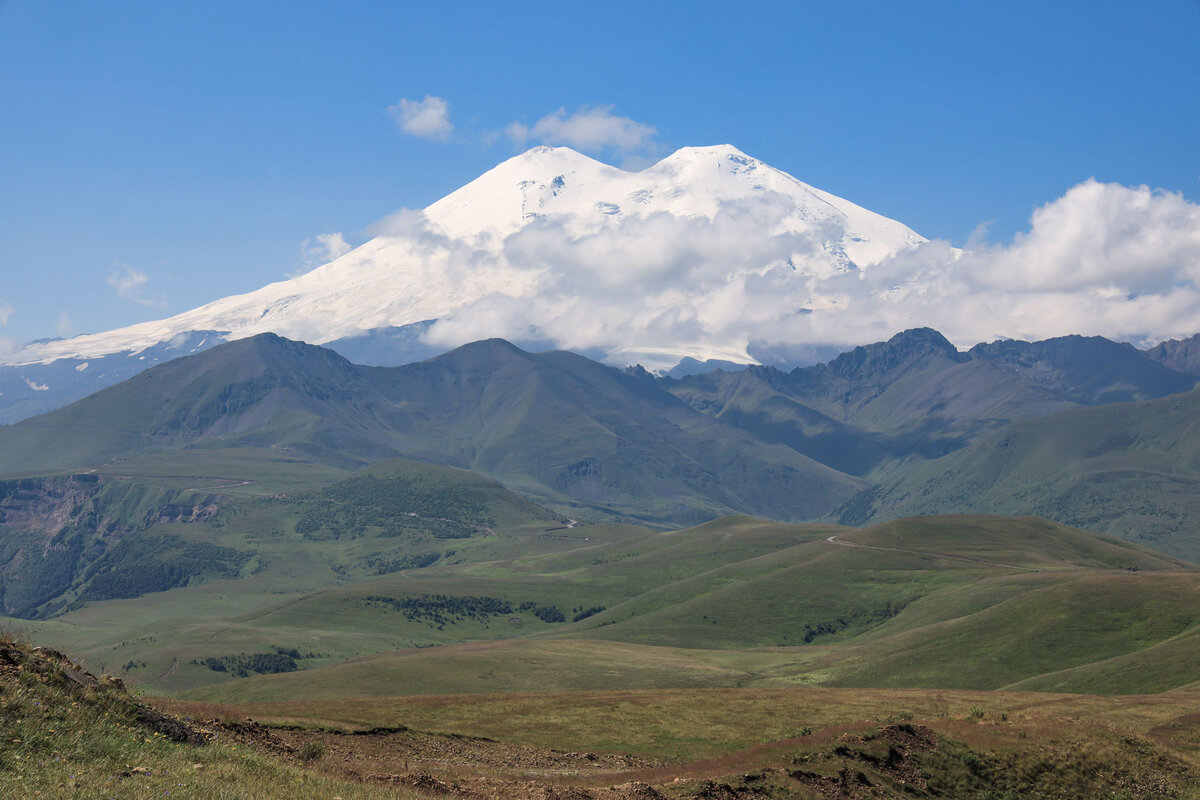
{"x":557,"y":426}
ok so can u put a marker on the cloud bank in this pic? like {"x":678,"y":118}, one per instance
{"x":1104,"y":259}
{"x":425,"y":119}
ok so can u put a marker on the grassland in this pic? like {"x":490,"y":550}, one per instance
{"x":65,"y":734}
{"x":374,"y":601}
{"x":774,"y":658}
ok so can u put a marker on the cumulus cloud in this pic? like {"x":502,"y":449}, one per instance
{"x":588,"y":129}
{"x":130,"y":284}
{"x":425,"y":119}
{"x":1104,"y":259}
{"x":321,"y":249}
{"x":686,"y":283}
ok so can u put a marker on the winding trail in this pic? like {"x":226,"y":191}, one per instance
{"x":834,"y":540}
{"x":170,"y":671}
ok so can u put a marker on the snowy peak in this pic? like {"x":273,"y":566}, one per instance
{"x":584,"y":195}
{"x":516,"y":192}
{"x":697,"y":256}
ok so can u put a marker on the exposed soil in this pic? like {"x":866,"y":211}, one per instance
{"x":468,"y":767}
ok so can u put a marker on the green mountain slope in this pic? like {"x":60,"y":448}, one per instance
{"x":914,"y":395}
{"x":1132,"y":470}
{"x":68,"y":540}
{"x":869,"y":410}
{"x":552,"y":425}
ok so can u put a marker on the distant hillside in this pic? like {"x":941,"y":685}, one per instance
{"x":917,"y":395}
{"x":68,"y":540}
{"x":1132,"y":470}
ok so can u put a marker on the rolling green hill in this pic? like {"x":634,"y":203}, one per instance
{"x":345,"y":587}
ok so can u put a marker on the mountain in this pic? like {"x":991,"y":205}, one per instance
{"x":1129,"y":469}
{"x":918,"y":395}
{"x":412,"y":272}
{"x":1180,"y":355}
{"x":554,"y":425}
{"x":523,"y":252}
{"x":1090,"y":370}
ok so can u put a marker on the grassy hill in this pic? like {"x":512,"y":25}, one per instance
{"x":66,"y":734}
{"x":346,"y":588}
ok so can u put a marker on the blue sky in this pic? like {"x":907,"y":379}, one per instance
{"x":155,"y":156}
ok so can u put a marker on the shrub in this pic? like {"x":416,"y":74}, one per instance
{"x":311,"y":751}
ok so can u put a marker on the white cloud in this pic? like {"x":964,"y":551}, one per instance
{"x":130,"y":284}
{"x":64,"y":327}
{"x":589,"y":129}
{"x":1102,"y":260}
{"x":1103,"y":235}
{"x":425,"y":119}
{"x":6,"y":311}
{"x":321,"y":249}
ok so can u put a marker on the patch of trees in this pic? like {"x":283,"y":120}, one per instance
{"x":386,"y":566}
{"x":140,"y":564}
{"x":282,"y":659}
{"x":811,"y":631}
{"x":584,"y":613}
{"x":392,"y":506}
{"x":439,"y":610}
{"x":544,"y":613}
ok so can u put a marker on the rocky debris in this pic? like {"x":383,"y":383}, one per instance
{"x":52,"y":667}
{"x":258,"y":736}
{"x":400,"y":750}
{"x":636,"y":790}
{"x":711,"y":790}
{"x":422,"y":782}
{"x":174,"y":729}
{"x":894,"y":762}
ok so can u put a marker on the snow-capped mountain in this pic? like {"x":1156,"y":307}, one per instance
{"x":698,"y":256}
{"x":413,"y":272}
